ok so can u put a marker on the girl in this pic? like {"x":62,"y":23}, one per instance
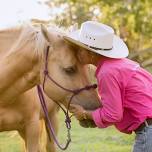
{"x":124,"y":87}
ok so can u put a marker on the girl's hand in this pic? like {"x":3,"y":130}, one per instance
{"x":78,"y":111}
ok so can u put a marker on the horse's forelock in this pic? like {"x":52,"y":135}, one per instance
{"x":30,"y":35}
{"x":33,"y":35}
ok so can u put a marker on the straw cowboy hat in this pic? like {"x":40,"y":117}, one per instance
{"x":98,"y":38}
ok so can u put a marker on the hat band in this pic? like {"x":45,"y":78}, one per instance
{"x":95,"y":48}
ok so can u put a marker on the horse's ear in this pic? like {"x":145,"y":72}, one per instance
{"x":45,"y":32}
{"x":73,"y":28}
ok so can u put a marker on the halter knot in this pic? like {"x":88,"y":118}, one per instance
{"x":94,"y":86}
{"x":77,"y":91}
{"x":46,"y":72}
{"x":68,"y":122}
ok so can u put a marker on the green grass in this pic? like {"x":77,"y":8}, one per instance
{"x":10,"y":142}
{"x":83,"y":140}
{"x":96,"y":140}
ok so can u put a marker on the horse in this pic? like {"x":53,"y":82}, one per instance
{"x":22,"y":68}
{"x":15,"y":115}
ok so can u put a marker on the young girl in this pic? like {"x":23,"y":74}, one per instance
{"x":124,"y":87}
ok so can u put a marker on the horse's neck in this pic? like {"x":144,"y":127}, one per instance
{"x":19,"y":72}
{"x":7,"y":39}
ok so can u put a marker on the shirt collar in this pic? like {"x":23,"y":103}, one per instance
{"x":100,"y":63}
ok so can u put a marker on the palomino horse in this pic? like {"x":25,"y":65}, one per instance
{"x":15,"y":115}
{"x":22,"y":68}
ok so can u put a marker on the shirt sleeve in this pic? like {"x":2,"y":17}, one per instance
{"x":111,"y":112}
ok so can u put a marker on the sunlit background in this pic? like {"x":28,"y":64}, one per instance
{"x":13,"y":12}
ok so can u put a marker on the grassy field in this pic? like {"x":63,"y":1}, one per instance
{"x":83,"y":140}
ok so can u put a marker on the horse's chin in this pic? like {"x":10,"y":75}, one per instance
{"x":87,"y":123}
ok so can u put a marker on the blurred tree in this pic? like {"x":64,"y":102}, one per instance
{"x":131,"y":19}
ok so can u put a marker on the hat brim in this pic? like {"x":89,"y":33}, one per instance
{"x":119,"y":49}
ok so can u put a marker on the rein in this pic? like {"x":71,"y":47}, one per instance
{"x":66,"y":112}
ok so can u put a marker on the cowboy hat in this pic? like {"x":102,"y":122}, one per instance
{"x":98,"y":38}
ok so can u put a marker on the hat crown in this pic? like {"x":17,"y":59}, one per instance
{"x":96,"y":35}
{"x":98,"y":38}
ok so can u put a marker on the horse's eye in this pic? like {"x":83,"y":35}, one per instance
{"x":70,"y":70}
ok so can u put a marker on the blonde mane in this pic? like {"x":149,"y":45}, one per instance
{"x":33,"y":36}
{"x":30,"y":35}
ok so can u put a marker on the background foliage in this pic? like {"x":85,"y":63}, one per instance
{"x":131,"y":20}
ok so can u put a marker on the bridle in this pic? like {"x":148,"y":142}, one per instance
{"x":66,"y":112}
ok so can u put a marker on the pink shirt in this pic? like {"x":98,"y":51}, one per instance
{"x":126,"y":94}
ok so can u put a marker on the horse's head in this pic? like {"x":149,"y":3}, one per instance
{"x":65,"y":68}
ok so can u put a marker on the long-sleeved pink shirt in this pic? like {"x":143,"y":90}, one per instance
{"x":126,"y":94}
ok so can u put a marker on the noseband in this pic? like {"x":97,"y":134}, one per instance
{"x":66,"y":112}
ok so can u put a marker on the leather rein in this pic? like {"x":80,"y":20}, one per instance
{"x":66,"y":111}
